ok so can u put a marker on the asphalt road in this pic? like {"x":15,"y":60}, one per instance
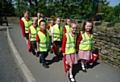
{"x":9,"y":71}
{"x":101,"y":72}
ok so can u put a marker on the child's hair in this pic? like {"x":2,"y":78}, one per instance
{"x":83,"y":28}
{"x":34,"y":18}
{"x":57,"y":18}
{"x":52,"y":18}
{"x":25,"y":12}
{"x":42,"y":16}
{"x":73,"y":23}
{"x":42,"y":21}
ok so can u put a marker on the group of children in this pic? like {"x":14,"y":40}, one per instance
{"x":42,"y":35}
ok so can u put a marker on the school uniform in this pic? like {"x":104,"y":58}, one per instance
{"x":42,"y":38}
{"x":33,"y":30}
{"x":25,"y":26}
{"x":68,"y":47}
{"x":84,"y":44}
{"x":57,"y":31}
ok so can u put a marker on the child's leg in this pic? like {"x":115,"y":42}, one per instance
{"x":70,"y":73}
{"x":70,"y":69}
{"x":43,"y":55}
{"x":83,"y":65}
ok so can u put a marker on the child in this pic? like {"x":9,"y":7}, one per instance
{"x":25,"y":23}
{"x":57,"y":33}
{"x":50,"y":25}
{"x":67,"y":26}
{"x":69,"y":49}
{"x":84,"y":44}
{"x":39,"y":17}
{"x":32,"y":35}
{"x":42,"y":39}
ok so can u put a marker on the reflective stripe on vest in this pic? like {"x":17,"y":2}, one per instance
{"x":86,"y":42}
{"x":44,"y":41}
{"x":27,"y":24}
{"x":67,"y":28}
{"x":70,"y":44}
{"x":58,"y":33}
{"x":33,"y":33}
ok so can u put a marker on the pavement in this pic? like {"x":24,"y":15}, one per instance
{"x":35,"y":72}
{"x":9,"y":71}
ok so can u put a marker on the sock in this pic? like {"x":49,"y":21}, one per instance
{"x":71,"y":76}
{"x":83,"y":67}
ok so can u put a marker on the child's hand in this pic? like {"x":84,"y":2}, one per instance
{"x":38,"y":50}
{"x":63,"y":54}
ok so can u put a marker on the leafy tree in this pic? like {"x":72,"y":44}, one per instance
{"x":6,"y":8}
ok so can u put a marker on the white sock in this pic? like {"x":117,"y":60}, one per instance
{"x":71,"y":76}
{"x":83,"y":67}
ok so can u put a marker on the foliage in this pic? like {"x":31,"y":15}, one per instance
{"x":6,"y":8}
{"x":61,"y":8}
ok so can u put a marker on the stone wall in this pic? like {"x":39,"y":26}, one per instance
{"x":106,"y":40}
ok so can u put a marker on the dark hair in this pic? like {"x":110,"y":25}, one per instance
{"x":83,"y":28}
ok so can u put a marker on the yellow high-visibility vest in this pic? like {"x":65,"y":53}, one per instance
{"x":58,"y":33}
{"x":44,"y":41}
{"x":33,"y":33}
{"x":86,"y":42}
{"x":27,"y":24}
{"x":67,"y":28}
{"x":70,"y":44}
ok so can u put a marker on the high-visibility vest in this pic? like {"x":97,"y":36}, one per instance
{"x":27,"y":24}
{"x":58,"y":33}
{"x":67,"y":28}
{"x":50,"y":27}
{"x":44,"y":41}
{"x":86,"y":42}
{"x":39,"y":21}
{"x":33,"y":33}
{"x":70,"y":44}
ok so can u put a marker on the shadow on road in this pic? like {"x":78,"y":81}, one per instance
{"x":54,"y":59}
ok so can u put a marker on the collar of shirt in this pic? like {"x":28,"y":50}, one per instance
{"x":35,"y":27}
{"x":58,"y":26}
{"x":43,"y":31}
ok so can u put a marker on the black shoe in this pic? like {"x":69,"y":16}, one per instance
{"x":40,"y":61}
{"x":46,"y":66}
{"x":37,"y":54}
{"x":33,"y":52}
{"x":84,"y":70}
{"x":71,"y":79}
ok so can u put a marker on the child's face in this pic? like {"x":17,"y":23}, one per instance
{"x":88,"y":26}
{"x":73,"y":28}
{"x":35,"y":22}
{"x":51,"y":21}
{"x":68,"y":21}
{"x":26,"y":15}
{"x":42,"y":25}
{"x":58,"y":21}
{"x":38,"y":15}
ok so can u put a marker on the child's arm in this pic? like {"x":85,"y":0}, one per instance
{"x":52,"y":34}
{"x":29,"y":31}
{"x":37,"y":41}
{"x":79,"y":38}
{"x":64,"y":44}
